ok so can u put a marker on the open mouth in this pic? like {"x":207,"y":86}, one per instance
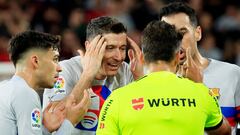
{"x":113,"y":66}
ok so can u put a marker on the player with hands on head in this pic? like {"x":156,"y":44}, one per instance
{"x":100,"y":67}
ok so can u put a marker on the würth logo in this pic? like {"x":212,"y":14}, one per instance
{"x":138,"y":103}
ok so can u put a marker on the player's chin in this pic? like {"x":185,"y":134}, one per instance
{"x":51,"y":83}
{"x":111,"y":72}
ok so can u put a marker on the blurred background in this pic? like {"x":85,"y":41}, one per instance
{"x":220,"y":21}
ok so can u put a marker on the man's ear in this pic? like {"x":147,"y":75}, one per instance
{"x":35,"y":61}
{"x":198,"y":33}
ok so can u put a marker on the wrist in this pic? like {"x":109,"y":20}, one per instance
{"x":87,"y":75}
{"x":48,"y":127}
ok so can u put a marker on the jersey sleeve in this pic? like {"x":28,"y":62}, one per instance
{"x":27,"y":110}
{"x":108,"y":119}
{"x":214,"y":114}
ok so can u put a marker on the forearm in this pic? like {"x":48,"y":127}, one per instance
{"x":84,"y":82}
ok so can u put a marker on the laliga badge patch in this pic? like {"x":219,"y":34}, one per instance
{"x":36,"y":119}
{"x":59,"y":86}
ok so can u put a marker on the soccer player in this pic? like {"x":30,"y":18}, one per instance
{"x":161,"y":102}
{"x":35,"y":57}
{"x":101,"y":67}
{"x":223,"y":78}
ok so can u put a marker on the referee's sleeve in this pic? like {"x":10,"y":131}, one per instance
{"x":214,"y":114}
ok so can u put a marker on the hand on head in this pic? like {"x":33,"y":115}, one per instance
{"x":91,"y":60}
{"x":136,"y":63}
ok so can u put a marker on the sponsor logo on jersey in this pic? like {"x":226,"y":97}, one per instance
{"x":175,"y":102}
{"x":90,"y":120}
{"x":137,"y":103}
{"x":105,"y":110}
{"x":59,"y":86}
{"x":89,"y":123}
{"x":36,"y":119}
{"x":215,"y":92}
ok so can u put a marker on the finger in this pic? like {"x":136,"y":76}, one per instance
{"x":130,"y":54}
{"x":81,"y":52}
{"x":99,"y":44}
{"x":189,"y":58}
{"x":60,"y":107}
{"x":183,"y":70}
{"x":135,"y":47}
{"x":94,"y":43}
{"x":54,"y":105}
{"x":132,"y":59}
{"x":102,"y":49}
{"x":48,"y":107}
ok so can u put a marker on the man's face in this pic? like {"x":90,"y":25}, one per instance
{"x":48,"y":68}
{"x":190,"y":38}
{"x":115,"y":54}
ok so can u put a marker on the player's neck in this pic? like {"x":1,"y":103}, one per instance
{"x":27,"y":75}
{"x":161,"y":66}
{"x":201,"y":61}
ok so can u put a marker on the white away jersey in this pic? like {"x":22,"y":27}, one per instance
{"x":224,"y":80}
{"x":70,"y":75}
{"x":20,"y":110}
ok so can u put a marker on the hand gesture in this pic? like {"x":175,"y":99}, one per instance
{"x":53,"y":118}
{"x":136,"y":63}
{"x":91,"y":60}
{"x":76,"y":111}
{"x":189,"y":69}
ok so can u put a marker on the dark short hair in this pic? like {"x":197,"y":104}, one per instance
{"x":104,"y":25}
{"x":179,"y":7}
{"x":160,"y":41}
{"x":25,"y":41}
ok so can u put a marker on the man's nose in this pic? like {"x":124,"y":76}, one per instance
{"x":59,"y":69}
{"x":118,"y":55}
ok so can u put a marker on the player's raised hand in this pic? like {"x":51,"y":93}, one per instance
{"x":91,"y":60}
{"x":76,"y":110}
{"x":53,"y":118}
{"x":136,"y":62}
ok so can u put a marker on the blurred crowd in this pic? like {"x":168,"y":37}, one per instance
{"x":220,"y":21}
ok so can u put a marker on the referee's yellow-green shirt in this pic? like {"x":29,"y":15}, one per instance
{"x":159,"y":103}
